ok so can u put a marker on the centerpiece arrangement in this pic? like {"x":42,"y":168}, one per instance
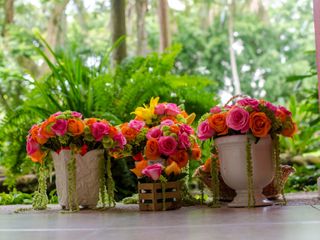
{"x":168,"y":149}
{"x":77,"y":147}
{"x":245,"y":137}
{"x":153,"y":129}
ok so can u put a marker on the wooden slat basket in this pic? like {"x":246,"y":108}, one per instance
{"x":151,"y":196}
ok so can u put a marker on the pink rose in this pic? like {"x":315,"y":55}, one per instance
{"x":271,"y":107}
{"x":153,"y":171}
{"x":185,"y":128}
{"x":76,"y":114}
{"x":204,"y":131}
{"x":172,"y":109}
{"x":56,"y":114}
{"x":238,"y":119}
{"x":32,"y":146}
{"x":183,"y":141}
{"x":154,"y":133}
{"x":167,"y":122}
{"x":160,"y":109}
{"x":286,"y":111}
{"x":137,"y":124}
{"x":99,"y":130}
{"x":120,"y":139}
{"x":60,"y":127}
{"x":251,"y":102}
{"x":215,"y":109}
{"x":167,"y":145}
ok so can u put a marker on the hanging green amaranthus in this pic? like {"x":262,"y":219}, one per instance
{"x":278,"y":172}
{"x":72,"y":183}
{"x":110,"y":184}
{"x":40,"y":198}
{"x":215,"y":183}
{"x":251,"y":199}
{"x":102,"y":182}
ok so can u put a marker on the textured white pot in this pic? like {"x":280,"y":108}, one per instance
{"x":87,"y":177}
{"x":233,"y":166}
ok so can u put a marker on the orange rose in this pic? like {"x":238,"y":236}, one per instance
{"x":281,"y":115}
{"x":152,"y":149}
{"x":207,"y":166}
{"x":173,"y":168}
{"x":218,"y":123}
{"x":37,"y":156}
{"x":260,"y":124}
{"x":128,"y":132}
{"x":34,"y":132}
{"x":290,"y":128}
{"x":45,"y":128}
{"x":180,"y":157}
{"x":174,"y":129}
{"x":139,"y":167}
{"x":75,"y":126}
{"x":90,"y":121}
{"x":196,"y":152}
{"x":113,"y":131}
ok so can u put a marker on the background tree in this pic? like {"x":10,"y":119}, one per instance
{"x":119,"y":28}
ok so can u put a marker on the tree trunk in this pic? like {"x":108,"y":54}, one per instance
{"x":118,"y":19}
{"x":233,"y":60}
{"x":163,"y":11}
{"x":82,"y":14}
{"x":8,"y":18}
{"x":141,"y":9}
{"x":54,"y":27}
{"x":54,"y":34}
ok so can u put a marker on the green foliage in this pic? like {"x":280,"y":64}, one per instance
{"x":304,"y":179}
{"x":15,"y":197}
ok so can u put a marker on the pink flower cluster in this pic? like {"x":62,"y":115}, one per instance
{"x":169,"y":109}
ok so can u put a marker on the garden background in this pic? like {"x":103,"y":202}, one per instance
{"x":105,"y":58}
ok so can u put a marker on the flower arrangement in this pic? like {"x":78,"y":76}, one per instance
{"x":156,"y":112}
{"x":66,"y":130}
{"x":247,"y":116}
{"x":69,"y":131}
{"x":169,"y":147}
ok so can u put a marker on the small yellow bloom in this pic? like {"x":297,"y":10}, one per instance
{"x":147,"y":113}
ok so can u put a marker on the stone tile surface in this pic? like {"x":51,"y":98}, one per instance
{"x":127,"y":222}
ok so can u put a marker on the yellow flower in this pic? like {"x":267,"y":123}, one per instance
{"x":146,"y":113}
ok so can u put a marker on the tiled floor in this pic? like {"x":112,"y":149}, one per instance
{"x":201,"y":222}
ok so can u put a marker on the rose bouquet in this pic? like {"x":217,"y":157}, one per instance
{"x":247,"y":116}
{"x":170,"y":145}
{"x":259,"y":120}
{"x":156,"y":112}
{"x":68,"y":137}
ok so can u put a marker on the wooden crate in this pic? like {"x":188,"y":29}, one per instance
{"x":151,"y":197}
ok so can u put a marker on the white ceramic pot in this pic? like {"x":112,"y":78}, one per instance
{"x":87,"y":177}
{"x":233,"y":166}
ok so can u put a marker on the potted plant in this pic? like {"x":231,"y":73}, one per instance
{"x":76,"y":147}
{"x":246,"y":141}
{"x":169,"y":147}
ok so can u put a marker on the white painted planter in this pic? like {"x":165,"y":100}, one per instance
{"x":233,"y":167}
{"x":87,"y":177}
